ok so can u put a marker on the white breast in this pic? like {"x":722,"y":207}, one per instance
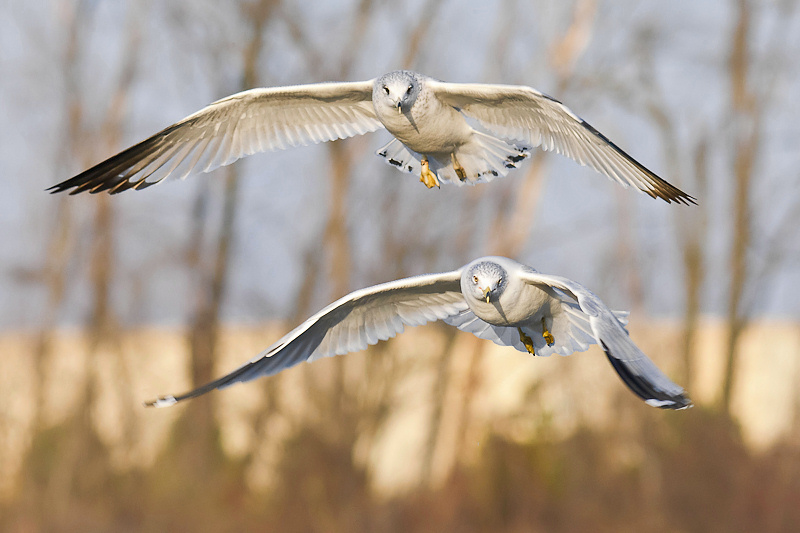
{"x":429,"y":128}
{"x":519,"y":304}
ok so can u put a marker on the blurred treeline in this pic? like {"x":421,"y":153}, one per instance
{"x":704,"y":95}
{"x":644,"y":471}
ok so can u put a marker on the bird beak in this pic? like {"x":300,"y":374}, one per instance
{"x":486,"y":292}
{"x":399,"y":107}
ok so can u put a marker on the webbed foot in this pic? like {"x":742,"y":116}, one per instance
{"x":460,"y":172}
{"x":527,"y":341}
{"x":426,"y":176}
{"x":548,"y":337}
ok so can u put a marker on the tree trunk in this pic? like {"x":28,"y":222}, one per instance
{"x":745,"y":120}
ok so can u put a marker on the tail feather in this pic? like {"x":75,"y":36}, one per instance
{"x":483,"y":159}
{"x":400,"y":157}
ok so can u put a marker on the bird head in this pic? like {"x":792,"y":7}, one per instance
{"x":485,"y":281}
{"x":398,"y":89}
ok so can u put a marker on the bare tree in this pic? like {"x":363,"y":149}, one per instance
{"x":693,"y":231}
{"x":690,"y":222}
{"x":199,"y":425}
{"x":82,"y":457}
{"x":747,"y":110}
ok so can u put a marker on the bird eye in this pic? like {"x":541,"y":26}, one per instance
{"x":475,"y":279}
{"x":408,"y":91}
{"x":385,"y":89}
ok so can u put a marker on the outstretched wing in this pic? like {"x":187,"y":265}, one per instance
{"x":350,"y":324}
{"x":638,"y":372}
{"x":252,"y":121}
{"x":525,"y":114}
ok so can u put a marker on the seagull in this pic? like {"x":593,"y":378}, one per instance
{"x":430,"y":121}
{"x":493,"y":298}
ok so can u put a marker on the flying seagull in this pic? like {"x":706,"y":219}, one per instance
{"x":494,"y":298}
{"x":427,"y":117}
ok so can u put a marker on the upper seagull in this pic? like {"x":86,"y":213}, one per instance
{"x":427,"y":118}
{"x":493,"y":298}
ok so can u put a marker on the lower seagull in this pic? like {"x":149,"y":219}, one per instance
{"x":493,"y":298}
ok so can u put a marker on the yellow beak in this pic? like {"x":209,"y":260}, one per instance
{"x":486,"y":292}
{"x":399,"y":108}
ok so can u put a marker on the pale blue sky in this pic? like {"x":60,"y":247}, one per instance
{"x":190,"y":54}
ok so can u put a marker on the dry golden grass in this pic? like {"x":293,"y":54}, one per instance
{"x":514,"y":394}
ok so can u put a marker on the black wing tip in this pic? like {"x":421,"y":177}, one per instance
{"x":679,"y":197}
{"x":97,"y":185}
{"x":117,"y":174}
{"x":659,"y":188}
{"x":77,"y":185}
{"x":224,"y":381}
{"x":687,"y":199}
{"x":168,"y":400}
{"x":63,"y":187}
{"x":645,"y":390}
{"x":162,"y":401}
{"x":677,"y":402}
{"x":670,"y":194}
{"x":93,"y":180}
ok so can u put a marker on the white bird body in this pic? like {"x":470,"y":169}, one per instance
{"x":494,"y":298}
{"x":426,"y":117}
{"x":423,"y":123}
{"x":519,"y":304}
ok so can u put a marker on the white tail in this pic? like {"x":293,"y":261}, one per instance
{"x":483,"y":159}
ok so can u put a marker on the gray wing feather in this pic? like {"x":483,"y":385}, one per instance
{"x":638,"y":372}
{"x":467,"y":321}
{"x":252,"y":121}
{"x":570,"y":328}
{"x":525,"y":114}
{"x":353,"y":322}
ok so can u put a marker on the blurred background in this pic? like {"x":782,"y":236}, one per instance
{"x":110,"y":301}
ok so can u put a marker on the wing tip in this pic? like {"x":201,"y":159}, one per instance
{"x":677,"y":403}
{"x":163,"y":401}
{"x":64,"y":186}
{"x":656,"y":187}
{"x":645,"y":390}
{"x":670,"y":194}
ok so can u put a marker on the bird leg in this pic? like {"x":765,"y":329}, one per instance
{"x":460,"y":172}
{"x":426,"y":176}
{"x":548,"y":337}
{"x":527,"y":341}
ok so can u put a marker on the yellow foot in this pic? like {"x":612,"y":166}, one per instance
{"x":460,"y":172}
{"x":527,"y":341}
{"x":426,"y":176}
{"x":548,"y":337}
